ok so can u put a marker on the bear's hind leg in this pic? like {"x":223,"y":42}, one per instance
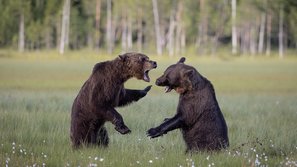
{"x":115,"y":118}
{"x":103,"y":139}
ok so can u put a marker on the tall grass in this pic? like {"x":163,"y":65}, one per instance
{"x":257,"y":97}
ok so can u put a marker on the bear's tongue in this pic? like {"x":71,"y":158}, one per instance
{"x":167,"y":89}
{"x":146,"y":76}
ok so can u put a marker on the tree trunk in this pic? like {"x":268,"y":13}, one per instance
{"x":281,"y":33}
{"x":202,"y":37}
{"x":170,"y":36}
{"x":157,"y":27}
{"x":268,"y":40}
{"x":129,"y":33}
{"x":245,"y":38}
{"x":253,"y":39}
{"x":97,"y":24}
{"x":261,"y":33}
{"x":109,"y":28}
{"x":124,"y":31}
{"x":22,"y":33}
{"x":234,"y":33}
{"x":139,"y":30}
{"x":183,"y":41}
{"x":178,"y":28}
{"x":65,"y":27}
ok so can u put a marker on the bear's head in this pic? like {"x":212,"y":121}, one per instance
{"x":179,"y":77}
{"x":138,"y":65}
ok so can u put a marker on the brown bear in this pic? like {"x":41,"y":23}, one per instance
{"x":198,"y":114}
{"x":102,"y":92}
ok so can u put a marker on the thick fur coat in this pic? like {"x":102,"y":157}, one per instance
{"x":101,"y":93}
{"x":198,"y":113}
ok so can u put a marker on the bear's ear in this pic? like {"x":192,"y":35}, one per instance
{"x":123,"y":57}
{"x":182,"y":60}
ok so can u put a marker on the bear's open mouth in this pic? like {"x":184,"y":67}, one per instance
{"x":167,"y":89}
{"x":146,"y":76}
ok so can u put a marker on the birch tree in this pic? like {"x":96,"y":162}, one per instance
{"x":281,"y":32}
{"x":234,"y":31}
{"x":109,"y":28}
{"x":261,"y":33}
{"x":157,"y":27}
{"x":97,"y":24}
{"x":139,"y":30}
{"x":65,"y":27}
{"x":21,"y":33}
{"x":268,"y":39}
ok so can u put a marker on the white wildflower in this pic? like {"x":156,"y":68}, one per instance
{"x":257,"y":162}
{"x":92,"y":165}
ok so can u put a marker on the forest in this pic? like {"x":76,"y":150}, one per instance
{"x":162,"y":27}
{"x":247,"y":49}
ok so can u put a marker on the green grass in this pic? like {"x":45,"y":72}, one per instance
{"x":257,"y":96}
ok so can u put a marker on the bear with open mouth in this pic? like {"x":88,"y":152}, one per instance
{"x":102,"y":92}
{"x":198,"y":113}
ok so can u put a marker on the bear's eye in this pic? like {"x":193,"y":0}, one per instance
{"x":142,"y":59}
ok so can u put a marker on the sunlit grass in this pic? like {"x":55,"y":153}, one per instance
{"x":257,"y":97}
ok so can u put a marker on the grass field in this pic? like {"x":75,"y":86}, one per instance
{"x":257,"y":96}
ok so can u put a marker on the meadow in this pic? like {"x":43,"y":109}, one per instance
{"x":257,"y":97}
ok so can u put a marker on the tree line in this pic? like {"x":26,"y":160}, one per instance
{"x":170,"y":27}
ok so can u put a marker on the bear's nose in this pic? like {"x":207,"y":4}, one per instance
{"x":158,"y":82}
{"x":154,"y":64}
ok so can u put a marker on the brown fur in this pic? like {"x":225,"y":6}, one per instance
{"x":198,"y":114}
{"x":101,"y":93}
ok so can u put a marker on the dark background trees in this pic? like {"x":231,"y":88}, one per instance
{"x":173,"y":27}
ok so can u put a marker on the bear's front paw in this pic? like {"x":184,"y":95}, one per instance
{"x":148,"y":88}
{"x":123,"y":129}
{"x":154,"y":132}
{"x":144,"y":91}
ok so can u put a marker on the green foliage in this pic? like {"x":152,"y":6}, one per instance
{"x":43,"y":22}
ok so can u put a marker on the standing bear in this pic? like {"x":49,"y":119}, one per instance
{"x":102,"y":92}
{"x":198,"y":114}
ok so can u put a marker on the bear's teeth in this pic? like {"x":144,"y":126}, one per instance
{"x":167,"y":89}
{"x":146,"y":76}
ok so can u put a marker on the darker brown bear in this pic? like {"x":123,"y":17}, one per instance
{"x":198,"y":114}
{"x":102,"y":92}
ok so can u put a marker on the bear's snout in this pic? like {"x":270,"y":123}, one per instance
{"x":160,"y":81}
{"x":154,"y":64}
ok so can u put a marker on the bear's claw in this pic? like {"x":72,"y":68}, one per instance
{"x":148,"y":88}
{"x":123,"y":129}
{"x":154,"y":132}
